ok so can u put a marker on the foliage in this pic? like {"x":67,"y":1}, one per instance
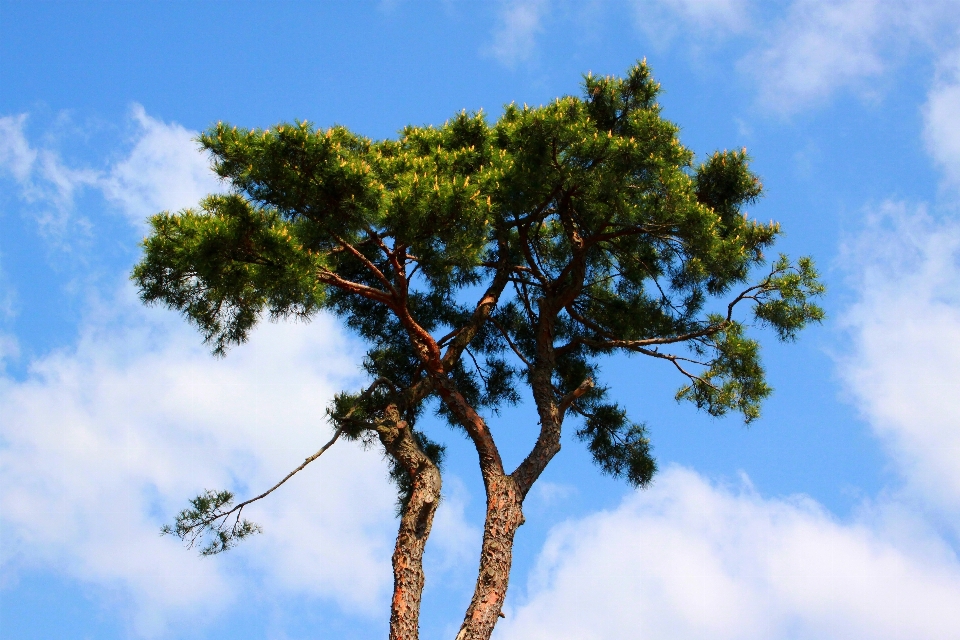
{"x":209,"y":519}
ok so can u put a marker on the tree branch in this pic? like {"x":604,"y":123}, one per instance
{"x":574,"y":395}
{"x":367,"y":263}
{"x":484,"y":308}
{"x":332,"y":279}
{"x":191,"y":525}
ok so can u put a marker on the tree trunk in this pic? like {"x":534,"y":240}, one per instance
{"x":504,"y":517}
{"x":415,"y":524}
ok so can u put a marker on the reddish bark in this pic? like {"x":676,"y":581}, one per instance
{"x":416,"y":522}
{"x":504,"y":517}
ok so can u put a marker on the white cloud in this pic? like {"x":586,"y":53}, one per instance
{"x":942,"y":120}
{"x":165,"y":170}
{"x":102,"y":444}
{"x":687,"y":559}
{"x":43,"y":179}
{"x":519,"y":22}
{"x":821,"y":46}
{"x":905,"y":365}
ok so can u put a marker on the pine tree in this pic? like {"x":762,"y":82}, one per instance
{"x":477,"y":260}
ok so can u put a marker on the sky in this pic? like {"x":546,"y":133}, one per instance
{"x":835,"y":515}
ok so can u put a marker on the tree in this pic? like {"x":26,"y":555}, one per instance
{"x":478,"y":260}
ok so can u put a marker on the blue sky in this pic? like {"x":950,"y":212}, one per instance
{"x":836,"y":515}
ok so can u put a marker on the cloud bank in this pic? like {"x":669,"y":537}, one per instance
{"x":103,"y":443}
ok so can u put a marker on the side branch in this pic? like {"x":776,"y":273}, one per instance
{"x":574,"y":395}
{"x":367,"y":263}
{"x":208,"y":510}
{"x":210,"y":513}
{"x":308,"y":460}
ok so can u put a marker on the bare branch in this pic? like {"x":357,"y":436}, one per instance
{"x":574,"y":395}
{"x":308,"y":460}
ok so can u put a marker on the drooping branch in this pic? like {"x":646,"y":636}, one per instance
{"x":209,"y":514}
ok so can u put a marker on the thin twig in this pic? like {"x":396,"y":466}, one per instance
{"x":506,"y":337}
{"x":310,"y":459}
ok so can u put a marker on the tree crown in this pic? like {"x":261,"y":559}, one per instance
{"x":483,"y":257}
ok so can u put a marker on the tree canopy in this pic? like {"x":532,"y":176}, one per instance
{"x":484,"y":263}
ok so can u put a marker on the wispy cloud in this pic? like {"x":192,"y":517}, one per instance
{"x":16,"y":155}
{"x":164,"y":170}
{"x":942,"y":119}
{"x":518,"y":23}
{"x":798,"y":54}
{"x":818,"y":47}
{"x":43,"y":180}
{"x":663,"y":20}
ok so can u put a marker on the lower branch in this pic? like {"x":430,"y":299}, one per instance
{"x":209,"y":516}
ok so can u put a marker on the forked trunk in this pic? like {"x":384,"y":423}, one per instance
{"x":504,"y":517}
